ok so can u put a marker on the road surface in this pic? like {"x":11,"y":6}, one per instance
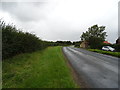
{"x":97,"y":70}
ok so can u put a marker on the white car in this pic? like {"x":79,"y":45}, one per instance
{"x":108,"y":48}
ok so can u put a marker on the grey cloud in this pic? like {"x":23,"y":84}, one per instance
{"x":25,"y":12}
{"x":63,"y":19}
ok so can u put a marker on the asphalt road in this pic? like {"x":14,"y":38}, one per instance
{"x":97,"y":70}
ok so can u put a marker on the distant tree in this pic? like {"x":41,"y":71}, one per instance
{"x":77,"y":43}
{"x":94,"y":36}
{"x":63,"y":43}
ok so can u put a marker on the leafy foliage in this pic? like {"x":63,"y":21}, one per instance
{"x":77,"y":43}
{"x":63,"y":43}
{"x":15,"y":41}
{"x":95,"y":36}
{"x":117,"y":47}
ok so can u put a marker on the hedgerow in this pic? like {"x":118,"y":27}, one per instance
{"x":15,"y":41}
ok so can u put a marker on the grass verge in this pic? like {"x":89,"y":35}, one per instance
{"x":41,"y":69}
{"x":116,"y":54}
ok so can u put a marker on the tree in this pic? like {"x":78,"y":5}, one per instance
{"x":94,"y":36}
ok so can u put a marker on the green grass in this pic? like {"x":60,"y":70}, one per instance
{"x":41,"y":69}
{"x":116,"y":54}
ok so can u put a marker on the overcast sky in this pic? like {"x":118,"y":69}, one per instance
{"x":61,"y":19}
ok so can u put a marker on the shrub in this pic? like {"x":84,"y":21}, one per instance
{"x":117,"y":47}
{"x":15,"y":41}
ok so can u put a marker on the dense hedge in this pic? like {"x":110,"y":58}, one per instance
{"x":15,"y":41}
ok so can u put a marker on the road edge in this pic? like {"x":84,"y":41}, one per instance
{"x":79,"y":81}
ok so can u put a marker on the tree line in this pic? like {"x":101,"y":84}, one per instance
{"x":15,"y":42}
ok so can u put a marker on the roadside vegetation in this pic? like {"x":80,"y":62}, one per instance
{"x":93,"y":39}
{"x":42,"y":69}
{"x":77,"y":43}
{"x":116,"y":54}
{"x":29,"y":62}
{"x":15,"y":42}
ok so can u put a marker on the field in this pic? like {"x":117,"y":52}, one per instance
{"x":116,"y":54}
{"x":42,"y":69}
